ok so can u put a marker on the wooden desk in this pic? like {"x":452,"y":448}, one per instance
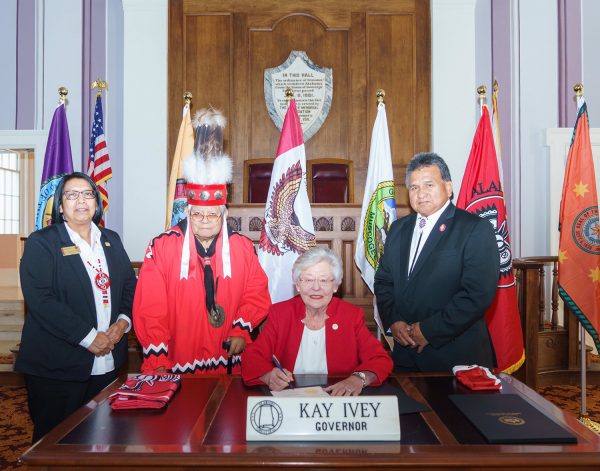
{"x":204,"y":426}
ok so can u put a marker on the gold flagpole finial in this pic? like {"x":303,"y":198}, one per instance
{"x":380,"y":95}
{"x":187,"y":98}
{"x":481,"y":91}
{"x":62,"y":93}
{"x":495,"y":86}
{"x":289,"y":94}
{"x":578,"y":89}
{"x":101,"y":85}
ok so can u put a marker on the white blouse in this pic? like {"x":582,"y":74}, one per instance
{"x":312,"y":356}
{"x":92,"y":253}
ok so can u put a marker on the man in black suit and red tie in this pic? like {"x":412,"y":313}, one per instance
{"x":437,"y":277}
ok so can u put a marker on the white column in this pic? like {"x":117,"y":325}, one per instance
{"x":455,"y":109}
{"x":113,"y":111}
{"x":144,"y":122}
{"x":8,"y":59}
{"x":62,"y":59}
{"x":537,"y":103}
{"x":590,"y":17}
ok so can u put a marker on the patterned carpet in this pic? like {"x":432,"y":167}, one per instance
{"x":15,"y":425}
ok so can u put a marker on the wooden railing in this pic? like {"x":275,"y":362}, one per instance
{"x":551,"y":338}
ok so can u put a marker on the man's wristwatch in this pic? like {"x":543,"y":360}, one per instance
{"x":362,"y":376}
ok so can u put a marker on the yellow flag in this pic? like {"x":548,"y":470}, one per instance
{"x":176,"y":200}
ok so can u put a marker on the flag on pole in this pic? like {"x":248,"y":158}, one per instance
{"x":379,"y":202}
{"x":99,"y":168}
{"x":579,"y":246}
{"x":481,"y":194}
{"x":496,"y":128}
{"x":288,"y":229}
{"x":176,"y":198}
{"x":57,"y":162}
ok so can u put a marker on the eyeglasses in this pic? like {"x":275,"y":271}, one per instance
{"x":74,"y":194}
{"x":201,"y":217}
{"x":310,"y":282}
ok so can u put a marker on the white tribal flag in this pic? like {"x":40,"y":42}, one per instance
{"x":288,"y":229}
{"x":379,"y":204}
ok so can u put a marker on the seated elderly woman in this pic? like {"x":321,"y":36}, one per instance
{"x":315,"y":333}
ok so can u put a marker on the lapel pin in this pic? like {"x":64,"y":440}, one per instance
{"x":107,"y":244}
{"x":442,"y":227}
{"x":334,"y":327}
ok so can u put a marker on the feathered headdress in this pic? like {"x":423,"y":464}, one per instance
{"x":208,"y":170}
{"x":207,"y":173}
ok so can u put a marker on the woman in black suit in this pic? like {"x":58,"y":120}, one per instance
{"x":78,"y":286}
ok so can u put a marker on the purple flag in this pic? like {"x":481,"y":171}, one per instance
{"x":57,"y":162}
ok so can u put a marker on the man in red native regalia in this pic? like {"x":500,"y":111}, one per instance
{"x":201,"y":289}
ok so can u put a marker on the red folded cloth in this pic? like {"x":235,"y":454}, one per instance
{"x":145,"y":392}
{"x":477,"y":378}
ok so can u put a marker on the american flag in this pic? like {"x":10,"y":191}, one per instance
{"x":99,"y":168}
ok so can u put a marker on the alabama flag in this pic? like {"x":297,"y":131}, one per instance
{"x":288,"y":229}
{"x":481,"y":194}
{"x":579,"y":247}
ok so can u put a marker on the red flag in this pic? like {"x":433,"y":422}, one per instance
{"x":579,"y":246}
{"x":481,"y":194}
{"x":288,"y":229}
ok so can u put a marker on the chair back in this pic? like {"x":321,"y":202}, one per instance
{"x":257,"y":178}
{"x":330,"y":180}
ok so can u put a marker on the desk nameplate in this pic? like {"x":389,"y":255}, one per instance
{"x":361,"y":418}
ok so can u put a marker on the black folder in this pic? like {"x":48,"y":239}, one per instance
{"x":508,"y":418}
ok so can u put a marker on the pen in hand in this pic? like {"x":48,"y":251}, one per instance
{"x":278,"y":365}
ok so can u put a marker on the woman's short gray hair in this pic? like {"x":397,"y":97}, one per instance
{"x":317,"y":255}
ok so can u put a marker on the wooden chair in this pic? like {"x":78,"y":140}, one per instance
{"x":330,"y":180}
{"x":257,"y":178}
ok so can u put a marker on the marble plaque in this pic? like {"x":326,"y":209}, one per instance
{"x":313,"y":90}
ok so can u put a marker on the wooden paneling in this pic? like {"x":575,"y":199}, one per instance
{"x":207,"y":65}
{"x":325,"y":48}
{"x":219,"y":51}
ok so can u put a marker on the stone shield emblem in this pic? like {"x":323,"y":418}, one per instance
{"x":312,"y":86}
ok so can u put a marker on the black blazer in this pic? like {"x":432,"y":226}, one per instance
{"x":60,"y":304}
{"x":450,"y":288}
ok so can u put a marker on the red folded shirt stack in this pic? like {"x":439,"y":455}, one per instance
{"x":477,"y":378}
{"x":145,"y":392}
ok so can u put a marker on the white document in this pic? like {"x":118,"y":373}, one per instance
{"x":311,"y":391}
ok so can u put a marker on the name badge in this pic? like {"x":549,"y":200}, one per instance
{"x":352,"y":418}
{"x":72,"y":250}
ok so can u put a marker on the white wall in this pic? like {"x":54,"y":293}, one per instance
{"x":454,"y":82}
{"x":113,"y":111}
{"x":144,"y":122}
{"x":62,"y":62}
{"x":8,"y":59}
{"x":538,"y":99}
{"x":590,"y":18}
{"x":483,"y":48}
